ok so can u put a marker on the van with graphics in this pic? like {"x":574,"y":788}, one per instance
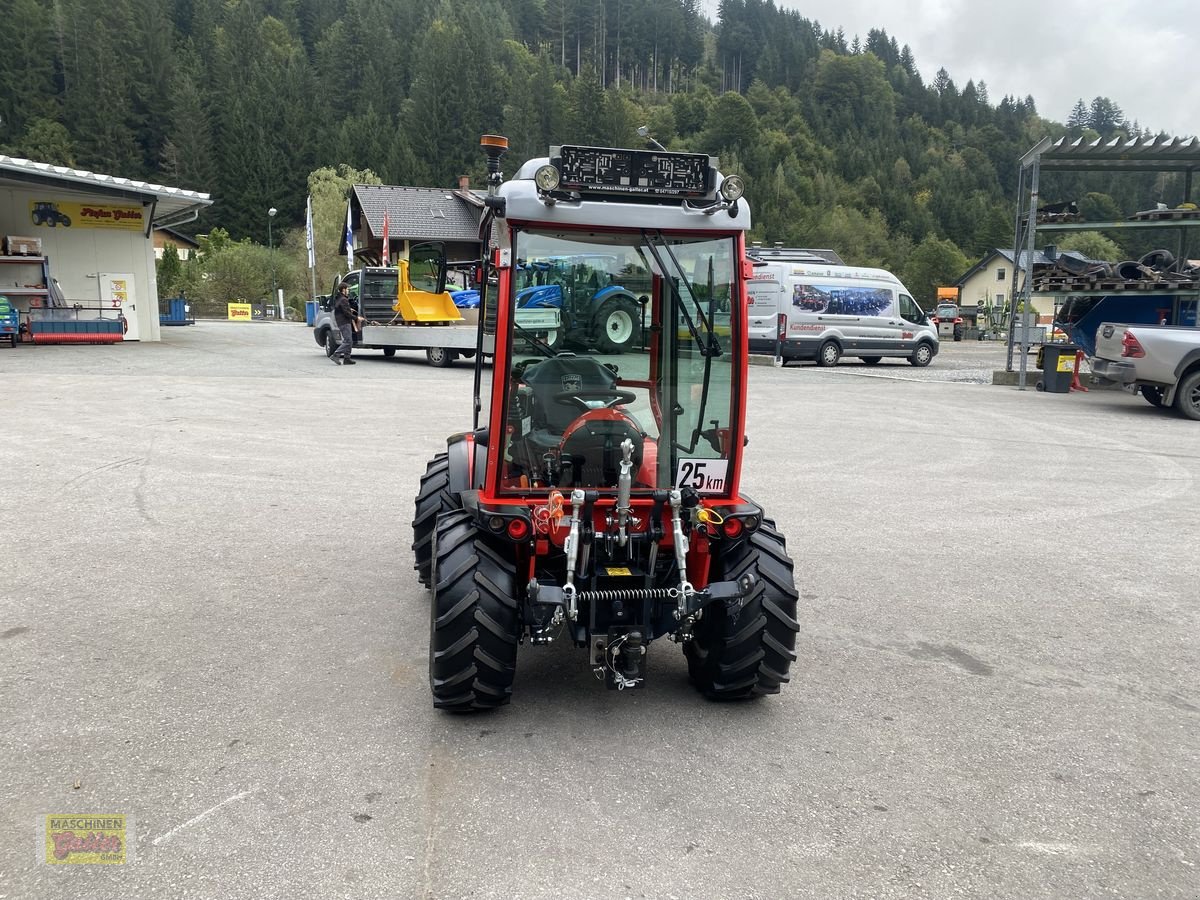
{"x":824,"y":312}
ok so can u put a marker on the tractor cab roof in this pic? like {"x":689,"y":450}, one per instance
{"x":524,"y":203}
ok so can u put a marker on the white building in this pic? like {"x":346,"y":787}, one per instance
{"x":90,"y":233}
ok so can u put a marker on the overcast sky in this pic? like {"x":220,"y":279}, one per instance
{"x":1142,"y":54}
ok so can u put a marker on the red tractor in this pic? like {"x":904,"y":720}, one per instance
{"x":597,"y":496}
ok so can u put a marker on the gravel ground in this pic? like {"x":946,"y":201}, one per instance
{"x":209,"y":622}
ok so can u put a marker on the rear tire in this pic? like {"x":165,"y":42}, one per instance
{"x":474,"y":621}
{"x":871,"y":360}
{"x":748,"y":654}
{"x":439,"y":357}
{"x":1187,"y":396}
{"x":389,"y":352}
{"x":617,"y":326}
{"x":829,"y":354}
{"x":922,"y":356}
{"x":433,"y":499}
{"x":1153,"y":395}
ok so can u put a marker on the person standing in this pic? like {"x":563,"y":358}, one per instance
{"x":344,"y":316}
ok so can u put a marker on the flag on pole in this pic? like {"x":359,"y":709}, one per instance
{"x":386,"y":246}
{"x":349,"y":239}
{"x":309,"y":244}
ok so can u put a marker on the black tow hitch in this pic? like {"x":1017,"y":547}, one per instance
{"x":620,"y":659}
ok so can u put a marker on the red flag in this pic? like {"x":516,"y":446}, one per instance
{"x":386,"y":248}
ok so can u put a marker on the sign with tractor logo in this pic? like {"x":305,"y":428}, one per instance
{"x":61,"y":214}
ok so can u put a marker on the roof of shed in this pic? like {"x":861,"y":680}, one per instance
{"x":417,"y":212}
{"x":1152,"y":154}
{"x":170,"y":203}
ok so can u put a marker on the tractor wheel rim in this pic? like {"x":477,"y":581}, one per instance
{"x":619,"y":326}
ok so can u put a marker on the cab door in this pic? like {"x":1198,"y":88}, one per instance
{"x":912,"y":323}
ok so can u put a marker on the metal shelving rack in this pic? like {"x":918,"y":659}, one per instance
{"x":1063,"y":155}
{"x":43,"y":265}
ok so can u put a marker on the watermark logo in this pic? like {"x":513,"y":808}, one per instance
{"x":85,"y":840}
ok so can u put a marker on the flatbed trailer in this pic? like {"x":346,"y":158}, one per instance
{"x":444,"y":343}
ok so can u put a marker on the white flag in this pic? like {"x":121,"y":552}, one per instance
{"x":349,"y":239}
{"x":309,"y":244}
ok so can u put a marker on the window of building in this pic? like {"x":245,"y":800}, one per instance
{"x":1000,"y":274}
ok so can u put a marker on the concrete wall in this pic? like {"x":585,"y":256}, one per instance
{"x":76,"y":252}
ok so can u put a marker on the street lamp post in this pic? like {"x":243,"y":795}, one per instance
{"x":271,"y":251}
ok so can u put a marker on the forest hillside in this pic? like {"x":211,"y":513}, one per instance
{"x":841,"y":142}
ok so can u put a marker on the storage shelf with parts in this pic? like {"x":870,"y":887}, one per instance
{"x":1148,"y":289}
{"x":1122,"y":224}
{"x":13,"y":285}
{"x":1160,"y":274}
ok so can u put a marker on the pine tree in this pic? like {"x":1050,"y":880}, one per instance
{"x":1079,"y":115}
{"x":187,"y":157}
{"x":26,"y":68}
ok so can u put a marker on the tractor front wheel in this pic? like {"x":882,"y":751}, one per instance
{"x":474,"y":625}
{"x":617,"y":323}
{"x":433,"y":499}
{"x":748,"y":653}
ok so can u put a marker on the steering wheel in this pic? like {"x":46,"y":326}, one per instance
{"x":579,"y":399}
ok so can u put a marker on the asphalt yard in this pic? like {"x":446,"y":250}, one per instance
{"x":210,"y":624}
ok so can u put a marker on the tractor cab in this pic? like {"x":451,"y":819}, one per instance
{"x":597,"y":497}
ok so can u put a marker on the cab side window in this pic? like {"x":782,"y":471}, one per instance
{"x":909,"y":311}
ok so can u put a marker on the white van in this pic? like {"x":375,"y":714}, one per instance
{"x":835,"y":311}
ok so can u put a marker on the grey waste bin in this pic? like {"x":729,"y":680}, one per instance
{"x":1058,"y":367}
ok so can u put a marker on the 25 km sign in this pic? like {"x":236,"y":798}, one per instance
{"x":705,"y":476}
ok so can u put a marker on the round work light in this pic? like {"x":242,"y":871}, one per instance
{"x":732,"y":187}
{"x":546,"y":178}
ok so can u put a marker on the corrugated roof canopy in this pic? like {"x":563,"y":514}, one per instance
{"x":416,"y":213}
{"x":171,"y":204}
{"x":1154,"y":154}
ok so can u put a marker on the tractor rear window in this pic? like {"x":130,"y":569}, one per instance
{"x":621,"y":358}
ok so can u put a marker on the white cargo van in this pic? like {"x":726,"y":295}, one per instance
{"x":824,"y":312}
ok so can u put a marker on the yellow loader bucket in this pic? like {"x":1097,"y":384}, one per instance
{"x":422,"y":306}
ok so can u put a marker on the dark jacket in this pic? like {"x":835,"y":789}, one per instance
{"x":343,"y":310}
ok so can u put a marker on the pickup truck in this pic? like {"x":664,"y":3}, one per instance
{"x":1163,"y":361}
